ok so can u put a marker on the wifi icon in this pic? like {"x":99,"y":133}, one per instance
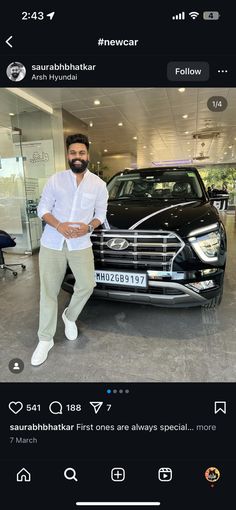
{"x":194,"y":14}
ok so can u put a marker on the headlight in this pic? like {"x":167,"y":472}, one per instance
{"x":207,"y":246}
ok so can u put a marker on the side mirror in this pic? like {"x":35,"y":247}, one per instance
{"x":220,"y":201}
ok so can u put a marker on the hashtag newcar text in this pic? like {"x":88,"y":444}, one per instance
{"x":117,"y":42}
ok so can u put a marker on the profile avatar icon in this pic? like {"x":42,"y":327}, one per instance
{"x":16,"y":365}
{"x":212,"y":474}
{"x":16,"y":71}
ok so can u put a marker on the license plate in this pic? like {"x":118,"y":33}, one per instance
{"x":124,"y":278}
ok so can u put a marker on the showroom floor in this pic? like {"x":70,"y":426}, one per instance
{"x":121,"y":342}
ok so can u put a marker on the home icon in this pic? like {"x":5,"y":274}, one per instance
{"x":23,"y":476}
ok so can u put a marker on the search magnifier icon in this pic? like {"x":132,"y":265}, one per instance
{"x":70,"y":474}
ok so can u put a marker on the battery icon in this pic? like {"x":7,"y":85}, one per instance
{"x":211,"y":15}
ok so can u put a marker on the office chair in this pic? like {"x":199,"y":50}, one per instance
{"x":6,"y":241}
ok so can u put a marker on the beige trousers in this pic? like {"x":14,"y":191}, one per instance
{"x":52,"y":268}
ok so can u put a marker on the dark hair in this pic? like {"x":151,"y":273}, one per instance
{"x":79,"y":138}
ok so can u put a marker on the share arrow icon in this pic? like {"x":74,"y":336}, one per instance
{"x":96,"y":406}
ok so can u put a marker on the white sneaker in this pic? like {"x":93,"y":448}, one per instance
{"x":41,"y":352}
{"x":71,"y":330}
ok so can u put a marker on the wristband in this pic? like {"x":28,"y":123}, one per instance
{"x":59,"y":223}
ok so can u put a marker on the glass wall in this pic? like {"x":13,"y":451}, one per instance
{"x":13,"y":216}
{"x":26,"y":162}
{"x":219,"y":175}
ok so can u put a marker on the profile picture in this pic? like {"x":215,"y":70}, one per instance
{"x":16,"y":71}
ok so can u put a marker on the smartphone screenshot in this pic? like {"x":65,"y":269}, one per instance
{"x":117,"y":257}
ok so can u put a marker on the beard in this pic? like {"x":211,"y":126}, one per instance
{"x":15,"y":75}
{"x":78,"y":166}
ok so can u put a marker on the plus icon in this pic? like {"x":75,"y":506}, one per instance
{"x":118,"y":474}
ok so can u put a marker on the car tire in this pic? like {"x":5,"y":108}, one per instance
{"x":214,"y":302}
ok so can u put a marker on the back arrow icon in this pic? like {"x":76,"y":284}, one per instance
{"x":7,"y":41}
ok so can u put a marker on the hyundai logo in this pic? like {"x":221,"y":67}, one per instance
{"x":117,"y":244}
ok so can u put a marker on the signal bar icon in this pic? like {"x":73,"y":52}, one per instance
{"x":179,"y":17}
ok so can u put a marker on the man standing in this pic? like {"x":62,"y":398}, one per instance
{"x":73,"y":204}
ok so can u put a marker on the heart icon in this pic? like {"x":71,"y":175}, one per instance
{"x":15,"y":407}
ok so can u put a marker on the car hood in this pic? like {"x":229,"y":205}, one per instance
{"x":175,"y":215}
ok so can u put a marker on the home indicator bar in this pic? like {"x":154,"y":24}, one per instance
{"x":117,"y":503}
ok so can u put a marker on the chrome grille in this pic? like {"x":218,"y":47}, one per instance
{"x":153,"y":249}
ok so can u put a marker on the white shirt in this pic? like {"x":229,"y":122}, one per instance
{"x":68,"y":201}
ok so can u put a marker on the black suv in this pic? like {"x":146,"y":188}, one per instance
{"x":163,"y":242}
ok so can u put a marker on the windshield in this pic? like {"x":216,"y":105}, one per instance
{"x":171,"y":184}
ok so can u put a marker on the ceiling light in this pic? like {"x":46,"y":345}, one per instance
{"x":135,"y":138}
{"x":144,"y":146}
{"x":120,"y":124}
{"x":185,"y":116}
{"x":96,"y":101}
{"x":91,"y":124}
{"x":230,"y":146}
{"x":90,"y":143}
{"x":188,"y":143}
{"x":151,"y":153}
{"x":225,"y":152}
{"x":186,"y":132}
{"x":11,"y":114}
{"x":105,"y":150}
{"x":181,"y":89}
